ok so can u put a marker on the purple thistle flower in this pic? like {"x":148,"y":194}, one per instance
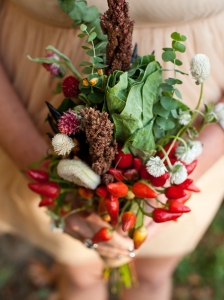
{"x":53,"y":68}
{"x":69,"y":123}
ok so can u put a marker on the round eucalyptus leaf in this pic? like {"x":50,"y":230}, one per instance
{"x":179,"y":46}
{"x":168,"y":103}
{"x":166,"y":87}
{"x":96,"y":97}
{"x":164,"y":123}
{"x":83,"y":27}
{"x":92,"y":36}
{"x":168,"y":55}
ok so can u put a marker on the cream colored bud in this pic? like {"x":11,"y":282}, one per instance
{"x":100,"y":72}
{"x":85,"y":82}
{"x":93,"y":81}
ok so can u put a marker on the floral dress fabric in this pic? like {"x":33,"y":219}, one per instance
{"x":27,"y":27}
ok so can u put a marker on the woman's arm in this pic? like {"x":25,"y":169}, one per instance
{"x":18,"y":135}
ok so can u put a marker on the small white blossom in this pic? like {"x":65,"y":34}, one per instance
{"x":62,"y":144}
{"x":185,"y":118}
{"x":78,"y":172}
{"x":219,"y":112}
{"x":155,"y":166}
{"x":178,"y":173}
{"x":194,"y":149}
{"x":200,"y":67}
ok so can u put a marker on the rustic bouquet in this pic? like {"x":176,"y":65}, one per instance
{"x":122,"y":136}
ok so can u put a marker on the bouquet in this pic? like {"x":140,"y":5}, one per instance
{"x":124,"y":143}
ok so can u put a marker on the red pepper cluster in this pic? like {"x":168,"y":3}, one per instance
{"x":132,"y":184}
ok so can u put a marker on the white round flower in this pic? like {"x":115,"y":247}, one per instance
{"x":219,"y":112}
{"x":200,"y":67}
{"x":185,"y":118}
{"x":78,"y":172}
{"x":155,"y":166}
{"x":62,"y":144}
{"x":178,"y":173}
{"x":194,"y":149}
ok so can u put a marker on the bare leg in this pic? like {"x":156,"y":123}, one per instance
{"x":82,"y":282}
{"x":155,"y":279}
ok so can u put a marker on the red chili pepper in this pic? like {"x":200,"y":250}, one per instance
{"x":131,"y":174}
{"x":117,"y":173}
{"x":118,"y":189}
{"x":112,"y":206}
{"x":139,"y":236}
{"x":183,"y":199}
{"x":46,"y":202}
{"x":193,"y":188}
{"x":159,"y":181}
{"x":166,"y":148}
{"x":184,"y":185}
{"x":142,"y":190}
{"x":101,"y":191}
{"x":144,"y":174}
{"x":174,"y":192}
{"x":38,"y":175}
{"x":85,"y":193}
{"x":102,"y":211}
{"x":128,"y":220}
{"x":136,"y":163}
{"x":123,"y":160}
{"x":177,"y":207}
{"x":103,"y":235}
{"x":48,"y":189}
{"x":161,"y":215}
{"x":190,"y":167}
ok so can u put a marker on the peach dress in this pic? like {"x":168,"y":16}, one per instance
{"x":28,"y":26}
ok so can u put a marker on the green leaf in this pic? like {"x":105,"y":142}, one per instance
{"x":58,"y":89}
{"x":178,"y":93}
{"x":91,"y":14}
{"x":166,"y":87}
{"x":178,"y":46}
{"x":92,"y":36}
{"x":76,"y":23}
{"x":179,"y":71}
{"x":96,"y":97}
{"x":66,"y":104}
{"x":87,"y":70}
{"x":85,"y":47}
{"x":96,"y":60}
{"x":159,"y":110}
{"x":78,"y":11}
{"x":170,"y":81}
{"x":66,"y":5}
{"x":178,"y":37}
{"x":168,"y":103}
{"x":100,"y":66}
{"x":167,"y":49}
{"x":177,"y":62}
{"x":83,"y":27}
{"x":85,"y":63}
{"x":81,"y":35}
{"x":168,"y":55}
{"x":165,"y":124}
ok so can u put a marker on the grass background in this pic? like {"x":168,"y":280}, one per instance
{"x":199,"y":276}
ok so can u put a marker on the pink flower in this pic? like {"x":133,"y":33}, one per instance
{"x":53,"y":68}
{"x":69,"y":123}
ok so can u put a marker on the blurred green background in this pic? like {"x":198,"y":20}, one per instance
{"x":199,"y":276}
